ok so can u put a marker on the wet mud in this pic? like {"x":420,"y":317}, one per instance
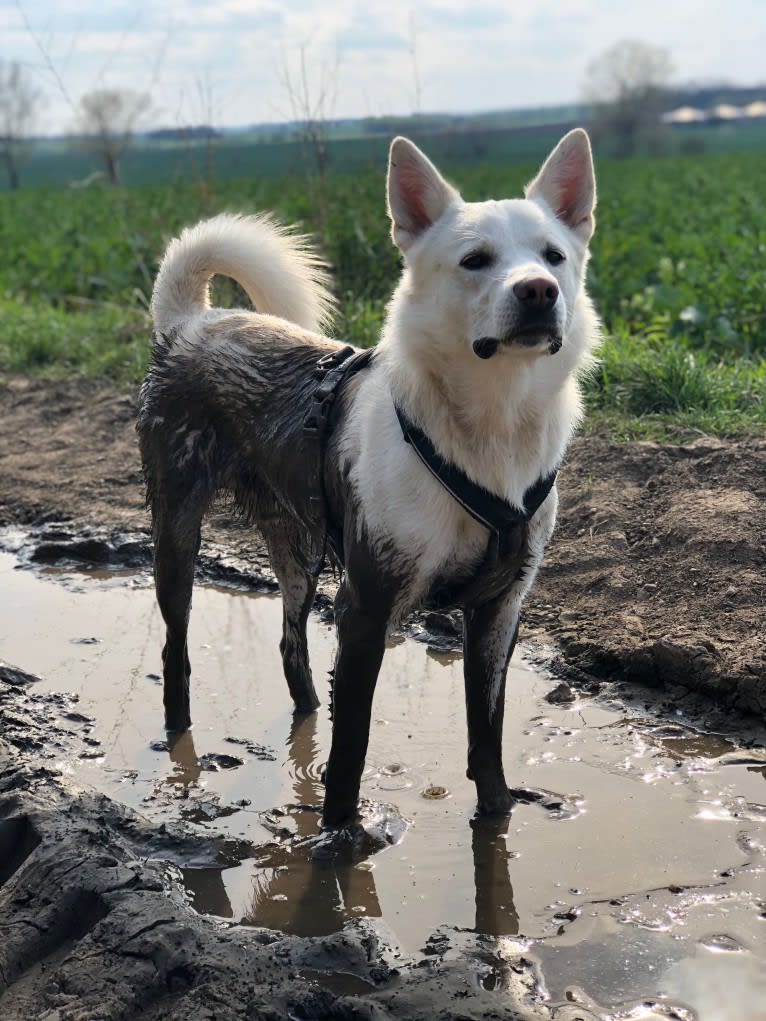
{"x":148,"y":878}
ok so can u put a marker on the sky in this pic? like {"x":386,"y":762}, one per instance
{"x":238,"y":62}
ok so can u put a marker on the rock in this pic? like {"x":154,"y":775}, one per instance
{"x":562,"y":694}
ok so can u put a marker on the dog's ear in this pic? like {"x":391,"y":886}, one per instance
{"x":417,"y":193}
{"x":567,"y":183}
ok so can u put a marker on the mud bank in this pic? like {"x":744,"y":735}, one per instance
{"x":656,"y":573}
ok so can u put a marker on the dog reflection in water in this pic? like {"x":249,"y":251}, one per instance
{"x":293,"y":893}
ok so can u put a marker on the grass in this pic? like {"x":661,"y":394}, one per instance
{"x":645,"y":388}
{"x":92,"y":340}
{"x":676,"y":275}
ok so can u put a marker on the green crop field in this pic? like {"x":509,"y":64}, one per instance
{"x":676,"y":272}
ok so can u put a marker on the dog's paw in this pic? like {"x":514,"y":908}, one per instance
{"x":500,"y":803}
{"x":342,"y":840}
{"x":375,"y":827}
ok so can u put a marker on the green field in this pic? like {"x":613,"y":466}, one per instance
{"x":677,"y":270}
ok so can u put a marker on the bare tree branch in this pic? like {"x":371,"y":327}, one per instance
{"x":108,"y":119}
{"x":45,"y":54}
{"x":19,"y":101}
{"x":628,"y":85}
{"x":311,"y":116}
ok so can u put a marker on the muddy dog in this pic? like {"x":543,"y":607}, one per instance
{"x":435,"y":483}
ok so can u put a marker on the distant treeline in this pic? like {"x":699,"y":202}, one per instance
{"x":202,"y":154}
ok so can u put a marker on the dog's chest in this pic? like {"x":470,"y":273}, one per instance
{"x":414,"y":527}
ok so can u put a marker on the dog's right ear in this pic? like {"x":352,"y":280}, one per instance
{"x":417,"y":193}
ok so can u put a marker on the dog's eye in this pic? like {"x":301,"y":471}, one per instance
{"x":476,"y":260}
{"x":553,"y":256}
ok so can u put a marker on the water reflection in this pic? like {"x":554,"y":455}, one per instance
{"x":205,"y":885}
{"x":496,"y":912}
{"x":184,"y":756}
{"x":207,"y":891}
{"x":294,"y":893}
{"x":291,"y":891}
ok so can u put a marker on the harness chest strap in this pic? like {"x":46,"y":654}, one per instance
{"x":501,"y":518}
{"x":496,"y":514}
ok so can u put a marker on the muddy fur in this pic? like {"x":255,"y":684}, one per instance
{"x":224,"y":404}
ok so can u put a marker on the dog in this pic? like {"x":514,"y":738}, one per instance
{"x":421,"y":487}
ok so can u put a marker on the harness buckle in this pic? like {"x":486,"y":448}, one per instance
{"x":318,"y":418}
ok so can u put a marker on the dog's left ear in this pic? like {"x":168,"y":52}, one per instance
{"x":567,"y":183}
{"x":418,"y":195}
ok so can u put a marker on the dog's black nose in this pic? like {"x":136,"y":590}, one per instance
{"x":537,"y":292}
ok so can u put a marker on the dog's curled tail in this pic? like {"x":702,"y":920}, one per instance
{"x":280,"y":272}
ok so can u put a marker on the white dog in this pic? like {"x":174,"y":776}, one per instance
{"x":427,"y":469}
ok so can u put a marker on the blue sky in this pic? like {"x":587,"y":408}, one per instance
{"x":227,"y":61}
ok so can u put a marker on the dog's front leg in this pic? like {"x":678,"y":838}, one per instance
{"x":361,"y":617}
{"x":489,"y":638}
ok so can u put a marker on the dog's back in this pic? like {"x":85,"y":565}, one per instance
{"x":217,"y":375}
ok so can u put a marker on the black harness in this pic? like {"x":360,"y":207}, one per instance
{"x":333,"y":370}
{"x":507,"y":524}
{"x":496,"y":514}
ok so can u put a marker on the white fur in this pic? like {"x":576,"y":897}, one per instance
{"x":505,"y":421}
{"x":278,"y":271}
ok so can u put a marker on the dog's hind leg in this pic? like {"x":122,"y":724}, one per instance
{"x":176,"y":543}
{"x":297,"y":586}
{"x":490,"y":633}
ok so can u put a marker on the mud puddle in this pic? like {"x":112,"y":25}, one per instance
{"x":632,"y":870}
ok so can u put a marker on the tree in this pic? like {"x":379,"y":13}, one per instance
{"x":312,"y":106}
{"x":628,"y":85}
{"x":19,"y":100}
{"x":108,"y":119}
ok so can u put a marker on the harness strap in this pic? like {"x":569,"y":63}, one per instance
{"x":333,"y":370}
{"x":496,"y":514}
{"x":506,"y":550}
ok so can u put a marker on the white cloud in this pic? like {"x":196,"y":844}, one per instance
{"x":491,"y":54}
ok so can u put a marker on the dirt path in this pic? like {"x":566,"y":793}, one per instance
{"x":656,"y":572}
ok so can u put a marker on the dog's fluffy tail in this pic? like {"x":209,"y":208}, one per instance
{"x":279,"y":271}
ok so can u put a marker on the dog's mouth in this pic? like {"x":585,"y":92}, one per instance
{"x":486,"y":347}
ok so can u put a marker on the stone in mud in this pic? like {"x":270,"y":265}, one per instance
{"x":562,"y":694}
{"x":215,"y":761}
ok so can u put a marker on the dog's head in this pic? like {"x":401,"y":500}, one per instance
{"x":499,"y":275}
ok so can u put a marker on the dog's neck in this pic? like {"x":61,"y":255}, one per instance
{"x":501,"y":421}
